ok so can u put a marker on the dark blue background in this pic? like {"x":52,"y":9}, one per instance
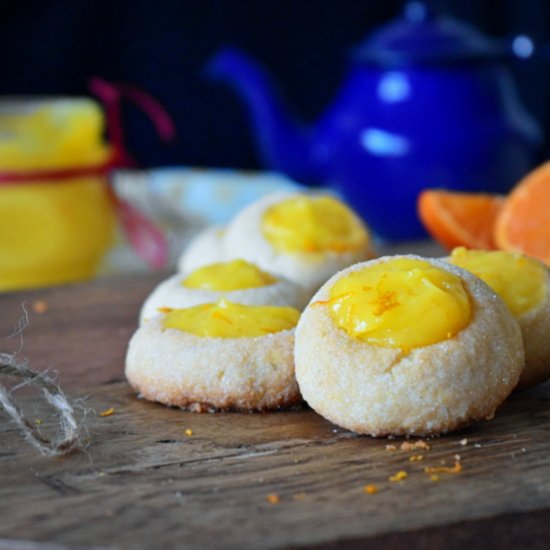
{"x":53,"y":47}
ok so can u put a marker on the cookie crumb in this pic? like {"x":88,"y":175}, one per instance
{"x":420,"y":444}
{"x":464,"y":441}
{"x":391,"y":448}
{"x":299,"y":496}
{"x":188,"y":432}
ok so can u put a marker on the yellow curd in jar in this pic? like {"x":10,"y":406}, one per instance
{"x":402,"y":303}
{"x":225,"y":319}
{"x":228,"y":276}
{"x":312,"y":224}
{"x":518,"y":280}
{"x":56,"y":230}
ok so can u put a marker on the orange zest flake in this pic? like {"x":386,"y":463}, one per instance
{"x":165,"y":309}
{"x":273,"y":499}
{"x":434,"y":477}
{"x":384,"y":302}
{"x":107,"y":412}
{"x":420,"y":444}
{"x":456,"y":469}
{"x":370,"y":489}
{"x":188,"y":432}
{"x":416,"y":458}
{"x":399,"y":476}
{"x":310,"y":246}
{"x":332,"y":300}
{"x":221,"y":317}
{"x":339,"y":247}
{"x":39,"y":306}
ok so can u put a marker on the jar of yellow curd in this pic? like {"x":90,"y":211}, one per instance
{"x":56,"y":213}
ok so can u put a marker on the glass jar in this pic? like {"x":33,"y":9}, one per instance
{"x":57,"y":216}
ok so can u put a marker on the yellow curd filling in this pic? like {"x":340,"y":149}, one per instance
{"x":225,"y":319}
{"x":228,"y":276}
{"x":401,"y":303}
{"x":519,"y":281}
{"x":312,"y":224}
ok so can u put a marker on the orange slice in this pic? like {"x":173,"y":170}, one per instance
{"x":460,"y":219}
{"x":523,"y":224}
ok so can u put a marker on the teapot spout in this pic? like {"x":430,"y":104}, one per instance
{"x":283,"y":143}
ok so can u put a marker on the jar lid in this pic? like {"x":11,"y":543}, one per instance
{"x":421,"y":36}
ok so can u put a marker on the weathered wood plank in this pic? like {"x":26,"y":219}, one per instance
{"x":144,"y":481}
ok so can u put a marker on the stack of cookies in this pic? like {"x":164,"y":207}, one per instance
{"x":398,"y":345}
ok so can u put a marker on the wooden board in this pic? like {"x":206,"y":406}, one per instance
{"x":143,"y":482}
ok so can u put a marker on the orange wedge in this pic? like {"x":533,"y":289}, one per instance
{"x":523,"y":224}
{"x":460,"y":219}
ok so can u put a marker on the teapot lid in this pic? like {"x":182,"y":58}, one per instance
{"x":421,"y":36}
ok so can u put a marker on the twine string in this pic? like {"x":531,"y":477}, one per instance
{"x":67,"y":438}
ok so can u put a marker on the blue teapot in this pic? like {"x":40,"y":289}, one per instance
{"x":428,"y":102}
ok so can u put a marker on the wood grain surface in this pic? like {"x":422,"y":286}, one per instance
{"x":279,"y":480}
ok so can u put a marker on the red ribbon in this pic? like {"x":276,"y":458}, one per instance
{"x":143,"y":235}
{"x":49,"y":176}
{"x":111,"y":95}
